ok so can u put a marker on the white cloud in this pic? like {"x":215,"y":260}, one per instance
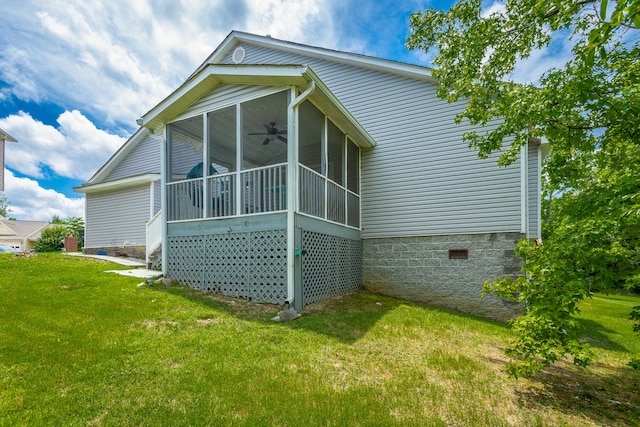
{"x":530,"y":69}
{"x":28,"y":200}
{"x":76,"y":149}
{"x":542,"y":60}
{"x":117,"y":59}
{"x":497,"y":7}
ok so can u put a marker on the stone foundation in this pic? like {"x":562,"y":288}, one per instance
{"x":420,"y":269}
{"x":139,"y":252}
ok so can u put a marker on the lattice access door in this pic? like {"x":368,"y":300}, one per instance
{"x":331,"y":266}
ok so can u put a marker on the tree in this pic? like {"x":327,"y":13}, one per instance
{"x":589,"y":110}
{"x":4,"y":205}
{"x":52,"y":239}
{"x":74,"y":226}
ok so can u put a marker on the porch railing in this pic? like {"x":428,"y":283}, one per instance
{"x":264,"y":189}
{"x":261,"y":190}
{"x":340,"y":205}
{"x":312,"y":190}
{"x":185,"y":199}
{"x":153,"y":234}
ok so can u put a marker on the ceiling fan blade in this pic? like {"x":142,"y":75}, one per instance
{"x":282,"y":138}
{"x":282,"y":132}
{"x":257,"y":133}
{"x":266,"y":141}
{"x":267,"y":127}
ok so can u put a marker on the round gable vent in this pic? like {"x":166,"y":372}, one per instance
{"x":238,"y":55}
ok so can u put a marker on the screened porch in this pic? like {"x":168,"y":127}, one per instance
{"x":246,"y":148}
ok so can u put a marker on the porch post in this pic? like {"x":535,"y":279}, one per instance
{"x":206,"y":200}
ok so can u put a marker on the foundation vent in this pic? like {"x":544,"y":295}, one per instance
{"x":458,"y":253}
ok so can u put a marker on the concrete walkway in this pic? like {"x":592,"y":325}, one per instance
{"x":137,"y":271}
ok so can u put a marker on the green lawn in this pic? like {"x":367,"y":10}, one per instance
{"x":82,"y":347}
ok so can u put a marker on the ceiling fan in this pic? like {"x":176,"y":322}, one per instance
{"x":272,"y":133}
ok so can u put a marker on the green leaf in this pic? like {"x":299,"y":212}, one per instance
{"x":603,"y":9}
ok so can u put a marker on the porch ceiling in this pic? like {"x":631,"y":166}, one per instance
{"x":265,"y":75}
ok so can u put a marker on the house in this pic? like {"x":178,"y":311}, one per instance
{"x":122,"y":199}
{"x":290,"y":174}
{"x":4,"y":137}
{"x":21,"y":235}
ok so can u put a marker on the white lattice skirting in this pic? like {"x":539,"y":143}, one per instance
{"x":253,"y":265}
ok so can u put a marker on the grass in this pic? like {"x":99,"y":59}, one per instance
{"x":82,"y":347}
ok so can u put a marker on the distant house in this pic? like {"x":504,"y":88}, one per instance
{"x":288,"y":174}
{"x":4,"y":136}
{"x":21,"y":235}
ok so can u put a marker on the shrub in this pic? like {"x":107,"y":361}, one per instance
{"x":52,"y":239}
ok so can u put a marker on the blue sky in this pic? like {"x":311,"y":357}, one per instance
{"x":75,"y":75}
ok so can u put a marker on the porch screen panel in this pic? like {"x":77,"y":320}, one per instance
{"x":311,"y":136}
{"x":335,"y":153}
{"x":185,"y":147}
{"x":353,"y":210}
{"x":222,"y":160}
{"x":222,"y":140}
{"x":353,"y":167}
{"x":264,"y":131}
{"x":185,"y":198}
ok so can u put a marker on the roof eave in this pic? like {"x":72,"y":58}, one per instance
{"x":385,"y":65}
{"x":270,"y":75}
{"x":117,"y":184}
{"x":213,"y":75}
{"x":4,"y":136}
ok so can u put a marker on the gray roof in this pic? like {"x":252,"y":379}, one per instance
{"x":21,"y":229}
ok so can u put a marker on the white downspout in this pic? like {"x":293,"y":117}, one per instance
{"x":524,"y":190}
{"x":293,"y":190}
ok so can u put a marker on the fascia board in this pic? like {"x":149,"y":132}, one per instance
{"x":117,"y":184}
{"x":6,"y":137}
{"x":6,"y":226}
{"x":272,"y":75}
{"x":385,"y":65}
{"x":34,"y":232}
{"x":213,"y":75}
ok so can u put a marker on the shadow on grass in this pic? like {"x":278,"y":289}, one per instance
{"x":351,"y":315}
{"x":597,"y":335}
{"x":606,"y":395}
{"x":346,"y":318}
